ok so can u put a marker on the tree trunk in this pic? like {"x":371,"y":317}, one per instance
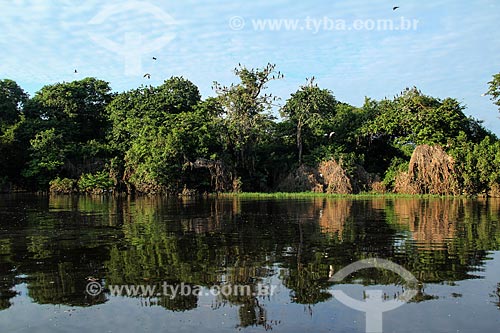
{"x":299,"y":141}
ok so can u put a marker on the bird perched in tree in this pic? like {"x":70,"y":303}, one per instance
{"x":147,"y":75}
{"x":395,"y":7}
{"x":330,"y":135}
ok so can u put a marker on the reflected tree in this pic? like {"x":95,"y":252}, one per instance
{"x":57,"y":246}
{"x":497,"y":295}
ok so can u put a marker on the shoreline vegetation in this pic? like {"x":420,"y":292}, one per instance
{"x":305,"y":195}
{"x":81,"y":137}
{"x":254,"y":195}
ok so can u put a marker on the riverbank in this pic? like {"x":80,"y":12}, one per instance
{"x":300,"y":195}
{"x":256,"y":195}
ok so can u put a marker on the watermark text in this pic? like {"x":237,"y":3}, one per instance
{"x":182,"y":289}
{"x":316,"y":25}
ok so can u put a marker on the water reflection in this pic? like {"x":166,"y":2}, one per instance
{"x":496,"y":296}
{"x":55,"y":244}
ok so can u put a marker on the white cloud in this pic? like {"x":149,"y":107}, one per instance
{"x":454,"y":52}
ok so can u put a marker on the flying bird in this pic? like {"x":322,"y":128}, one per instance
{"x":395,"y":7}
{"x":147,"y":75}
{"x":154,"y":58}
{"x":76,"y":71}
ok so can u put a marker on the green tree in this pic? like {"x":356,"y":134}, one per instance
{"x":246,"y":117}
{"x":494,"y":89}
{"x":78,"y":108}
{"x":68,"y":124}
{"x":414,"y":118}
{"x":477,"y":164}
{"x":47,"y":156}
{"x":12,"y":99}
{"x":394,"y":127}
{"x":130,"y":111}
{"x":12,"y":150}
{"x":307,"y":108}
{"x":157,"y":130}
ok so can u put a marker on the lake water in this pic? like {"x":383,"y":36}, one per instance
{"x":62,"y":259}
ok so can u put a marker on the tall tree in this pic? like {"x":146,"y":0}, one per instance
{"x":78,"y":108}
{"x":494,"y":90}
{"x":156,"y":130}
{"x":414,"y":118}
{"x":12,"y":151}
{"x":307,"y":108}
{"x":246,"y":113}
{"x":71,"y":124}
{"x":12,"y":98}
{"x":130,"y":111}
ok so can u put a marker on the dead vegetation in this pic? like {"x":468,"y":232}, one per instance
{"x":221,"y":177}
{"x":335,"y":178}
{"x":330,"y":177}
{"x":431,"y":171}
{"x":404,"y":184}
{"x":378,"y":187}
{"x":494,"y":191}
{"x":303,"y":179}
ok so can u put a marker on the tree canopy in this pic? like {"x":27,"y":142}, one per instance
{"x":494,"y":90}
{"x":167,"y":138}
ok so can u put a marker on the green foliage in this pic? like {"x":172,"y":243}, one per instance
{"x":494,"y":89}
{"x":47,"y":156}
{"x":156,"y":130}
{"x":66,"y":124}
{"x":131,"y":111}
{"x":77,"y":108}
{"x":246,"y":121}
{"x":395,"y":127}
{"x":12,"y":98}
{"x":62,"y":185}
{"x":307,"y":109}
{"x":12,"y":148}
{"x":415,"y":118}
{"x":397,"y":165}
{"x":477,"y":164}
{"x":150,"y":138}
{"x":97,"y":182}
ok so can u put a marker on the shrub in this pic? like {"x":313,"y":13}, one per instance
{"x":397,"y":166}
{"x":478,"y":164}
{"x":63,"y":186}
{"x":95,"y":183}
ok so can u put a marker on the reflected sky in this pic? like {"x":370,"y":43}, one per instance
{"x":51,"y":247}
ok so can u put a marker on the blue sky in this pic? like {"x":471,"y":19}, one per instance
{"x":453,"y":52}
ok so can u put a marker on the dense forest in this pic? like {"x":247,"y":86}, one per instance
{"x":81,"y":136}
